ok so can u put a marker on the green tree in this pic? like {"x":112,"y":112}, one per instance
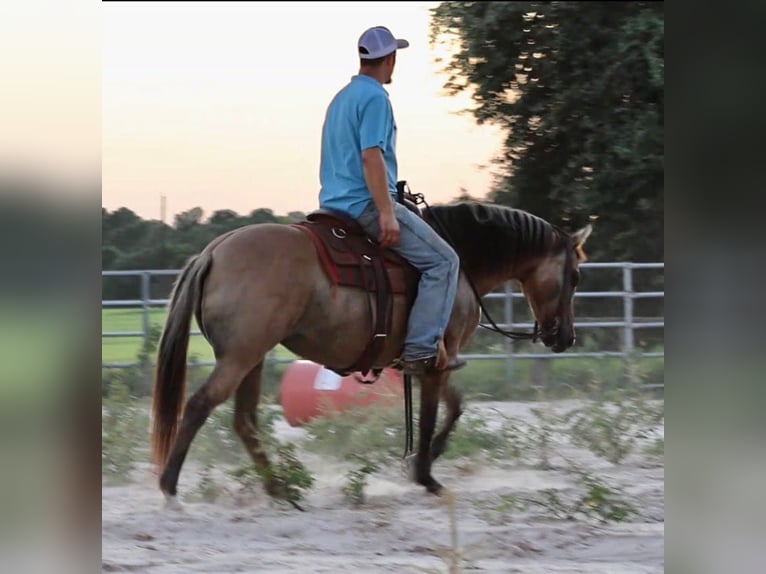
{"x":579,"y":89}
{"x":189,"y":218}
{"x":225,"y":219}
{"x":262,"y":215}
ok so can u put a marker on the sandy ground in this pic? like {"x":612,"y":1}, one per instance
{"x":400,"y":529}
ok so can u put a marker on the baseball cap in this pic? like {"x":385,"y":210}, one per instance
{"x":378,"y":42}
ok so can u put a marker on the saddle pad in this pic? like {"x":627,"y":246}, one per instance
{"x":346,"y":258}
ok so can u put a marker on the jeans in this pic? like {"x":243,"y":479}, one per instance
{"x":438,"y":264}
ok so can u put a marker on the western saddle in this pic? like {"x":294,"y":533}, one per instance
{"x":351,"y":258}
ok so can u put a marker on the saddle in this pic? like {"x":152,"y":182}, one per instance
{"x":351,"y":258}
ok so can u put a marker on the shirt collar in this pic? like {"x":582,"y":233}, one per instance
{"x":368,"y":79}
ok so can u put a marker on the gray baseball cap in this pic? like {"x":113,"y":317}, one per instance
{"x":378,"y":42}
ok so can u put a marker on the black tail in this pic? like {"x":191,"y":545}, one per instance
{"x":170,"y":375}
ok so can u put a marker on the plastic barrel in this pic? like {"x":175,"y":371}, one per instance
{"x":308,"y":390}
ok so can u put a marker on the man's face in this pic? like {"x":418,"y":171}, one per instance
{"x":389,"y":64}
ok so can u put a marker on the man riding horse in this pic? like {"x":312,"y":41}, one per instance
{"x":358,"y":175}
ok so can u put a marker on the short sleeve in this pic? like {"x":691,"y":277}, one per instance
{"x":375,"y":120}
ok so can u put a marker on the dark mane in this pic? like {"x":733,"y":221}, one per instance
{"x":489,"y":237}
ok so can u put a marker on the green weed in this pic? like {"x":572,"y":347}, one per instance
{"x":612,"y":425}
{"x":124,"y":426}
{"x":356,"y":479}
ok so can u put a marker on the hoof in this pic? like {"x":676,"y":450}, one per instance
{"x":278,"y":490}
{"x":172,"y":503}
{"x":432,"y":486}
{"x":435,"y":488}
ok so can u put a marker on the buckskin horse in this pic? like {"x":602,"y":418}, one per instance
{"x":306,"y":286}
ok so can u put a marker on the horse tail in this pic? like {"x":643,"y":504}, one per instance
{"x":170,"y":374}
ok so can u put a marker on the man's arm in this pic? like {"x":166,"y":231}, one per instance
{"x":377,"y":182}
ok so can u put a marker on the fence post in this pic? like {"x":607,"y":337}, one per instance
{"x":508,"y":322}
{"x":627,"y":338}
{"x":145,"y":296}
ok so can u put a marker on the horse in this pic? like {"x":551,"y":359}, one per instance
{"x":263,"y":284}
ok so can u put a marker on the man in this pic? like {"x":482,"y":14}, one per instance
{"x":358,"y":175}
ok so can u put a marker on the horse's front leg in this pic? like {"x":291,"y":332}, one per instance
{"x":429,"y":406}
{"x":453,"y":401}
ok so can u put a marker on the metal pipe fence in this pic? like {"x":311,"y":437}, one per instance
{"x":629,"y":323}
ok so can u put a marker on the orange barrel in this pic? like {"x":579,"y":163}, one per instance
{"x":308,"y":390}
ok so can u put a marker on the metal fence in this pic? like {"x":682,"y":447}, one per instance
{"x":628,"y":323}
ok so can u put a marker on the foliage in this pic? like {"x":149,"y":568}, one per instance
{"x":590,"y":497}
{"x":124,"y":427}
{"x":377,"y":431}
{"x":207,"y":489}
{"x":603,"y":502}
{"x":578,"y":88}
{"x":356,"y":479}
{"x":289,"y":471}
{"x":473,"y":438}
{"x":612,"y":426}
{"x":130,"y":242}
{"x":593,"y":498}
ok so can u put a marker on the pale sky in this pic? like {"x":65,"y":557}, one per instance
{"x":220,"y":105}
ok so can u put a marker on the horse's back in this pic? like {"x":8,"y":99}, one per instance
{"x":260,"y":273}
{"x":251,"y":248}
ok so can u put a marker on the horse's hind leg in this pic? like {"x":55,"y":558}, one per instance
{"x":219,"y":387}
{"x":246,"y":424}
{"x":453,"y":400}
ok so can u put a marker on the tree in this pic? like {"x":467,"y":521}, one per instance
{"x":579,"y":89}
{"x":262,"y":215}
{"x":189,"y":218}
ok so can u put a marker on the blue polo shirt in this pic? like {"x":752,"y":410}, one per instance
{"x":359,"y":117}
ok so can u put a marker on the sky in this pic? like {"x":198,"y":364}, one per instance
{"x":220,"y":105}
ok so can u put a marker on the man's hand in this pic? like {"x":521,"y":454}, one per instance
{"x":389,"y":229}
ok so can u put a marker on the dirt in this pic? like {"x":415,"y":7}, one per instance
{"x":491,"y":527}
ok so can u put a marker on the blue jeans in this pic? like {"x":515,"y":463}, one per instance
{"x":439,"y":266}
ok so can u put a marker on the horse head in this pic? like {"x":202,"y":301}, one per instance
{"x":550,"y":285}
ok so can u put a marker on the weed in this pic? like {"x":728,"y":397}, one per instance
{"x":603,"y":502}
{"x":472,"y":438}
{"x":289,"y":471}
{"x":593,"y":498}
{"x":285,"y":468}
{"x":612,"y":425}
{"x":499,"y":510}
{"x":122,"y":426}
{"x":246,"y":477}
{"x":541,"y":436}
{"x":208,"y":489}
{"x":376,"y":430}
{"x":356,"y":480}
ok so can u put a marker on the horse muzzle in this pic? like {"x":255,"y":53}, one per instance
{"x":558,"y":339}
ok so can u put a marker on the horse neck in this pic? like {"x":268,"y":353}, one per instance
{"x":486,"y":282}
{"x":511,"y":243}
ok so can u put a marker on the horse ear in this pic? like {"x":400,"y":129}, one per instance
{"x":580,"y":236}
